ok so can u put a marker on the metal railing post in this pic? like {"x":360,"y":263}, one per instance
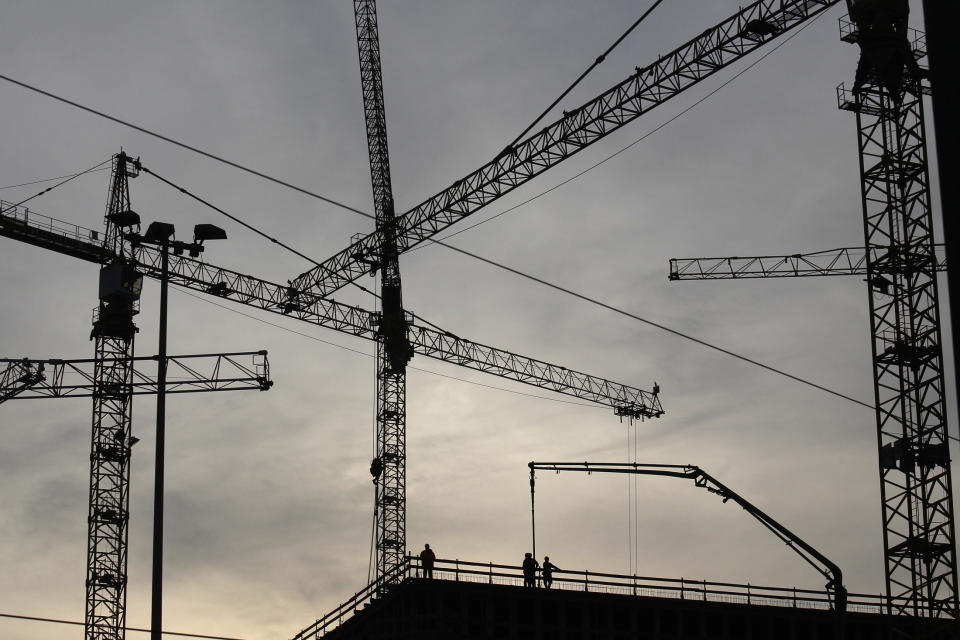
{"x":490,"y":573}
{"x":457,"y":573}
{"x":748,"y":593}
{"x":704,"y":589}
{"x":682,"y":594}
{"x":586,"y":580}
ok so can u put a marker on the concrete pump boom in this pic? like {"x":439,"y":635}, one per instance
{"x":702,"y":479}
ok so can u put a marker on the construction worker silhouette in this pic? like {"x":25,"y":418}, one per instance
{"x":426,"y":561}
{"x":547,"y":570}
{"x":530,"y":566}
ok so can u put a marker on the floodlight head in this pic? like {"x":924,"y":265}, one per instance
{"x":158,"y":232}
{"x":203,"y":232}
{"x":124,"y":218}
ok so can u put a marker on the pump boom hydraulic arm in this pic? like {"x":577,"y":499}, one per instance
{"x":702,"y":479}
{"x":650,"y":86}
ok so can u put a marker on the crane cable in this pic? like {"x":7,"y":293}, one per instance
{"x":49,"y":189}
{"x":596,"y":63}
{"x":543,"y":282}
{"x":27,"y":184}
{"x":491,"y":262}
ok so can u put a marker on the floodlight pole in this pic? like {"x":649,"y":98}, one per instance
{"x":156,"y":611}
{"x":160,"y":234}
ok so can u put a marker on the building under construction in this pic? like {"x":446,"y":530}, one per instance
{"x":413,"y":598}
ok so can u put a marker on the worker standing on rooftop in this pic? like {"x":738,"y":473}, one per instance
{"x":530,"y":566}
{"x":426,"y":561}
{"x":547,"y":569}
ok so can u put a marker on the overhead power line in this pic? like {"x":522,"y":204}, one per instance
{"x":137,"y":629}
{"x":183,"y":145}
{"x":451,"y":247}
{"x":551,"y":285}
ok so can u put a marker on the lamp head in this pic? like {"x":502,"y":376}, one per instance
{"x":203,"y":232}
{"x":158,"y":232}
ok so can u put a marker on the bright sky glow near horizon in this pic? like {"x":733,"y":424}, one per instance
{"x":269,"y":501}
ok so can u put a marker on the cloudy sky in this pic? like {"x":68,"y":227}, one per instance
{"x":269,"y":501}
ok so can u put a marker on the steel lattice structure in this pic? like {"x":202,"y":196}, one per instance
{"x":915,"y":485}
{"x":846,"y":261}
{"x":901,"y":261}
{"x":630,"y":402}
{"x":650,"y":86}
{"x":194,"y":373}
{"x":393,"y":346}
{"x":108,"y":515}
{"x":18,"y":376}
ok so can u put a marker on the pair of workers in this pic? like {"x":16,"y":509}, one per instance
{"x":530,"y":566}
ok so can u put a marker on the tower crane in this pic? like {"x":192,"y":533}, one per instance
{"x":704,"y":480}
{"x":112,"y":385}
{"x":305,"y":297}
{"x":648,"y":87}
{"x":900,"y":260}
{"x":750,"y":28}
{"x":393,"y":344}
{"x":79,"y":378}
{"x":107,"y":598}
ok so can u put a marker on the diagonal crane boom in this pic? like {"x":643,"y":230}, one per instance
{"x":847,"y":261}
{"x":209,"y":279}
{"x":76,"y":378}
{"x":717,"y":47}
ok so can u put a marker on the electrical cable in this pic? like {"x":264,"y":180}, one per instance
{"x":662,"y":327}
{"x":27,"y":184}
{"x":183,"y":145}
{"x":596,"y":63}
{"x":137,"y":629}
{"x":49,"y":189}
{"x":462,"y":251}
{"x":523,"y":275}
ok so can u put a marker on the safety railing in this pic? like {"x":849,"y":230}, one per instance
{"x":594,"y":582}
{"x":23,"y":215}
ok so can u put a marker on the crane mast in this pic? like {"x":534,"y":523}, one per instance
{"x":109,"y":507}
{"x":900,"y":260}
{"x":914,"y":463}
{"x":393,"y":346}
